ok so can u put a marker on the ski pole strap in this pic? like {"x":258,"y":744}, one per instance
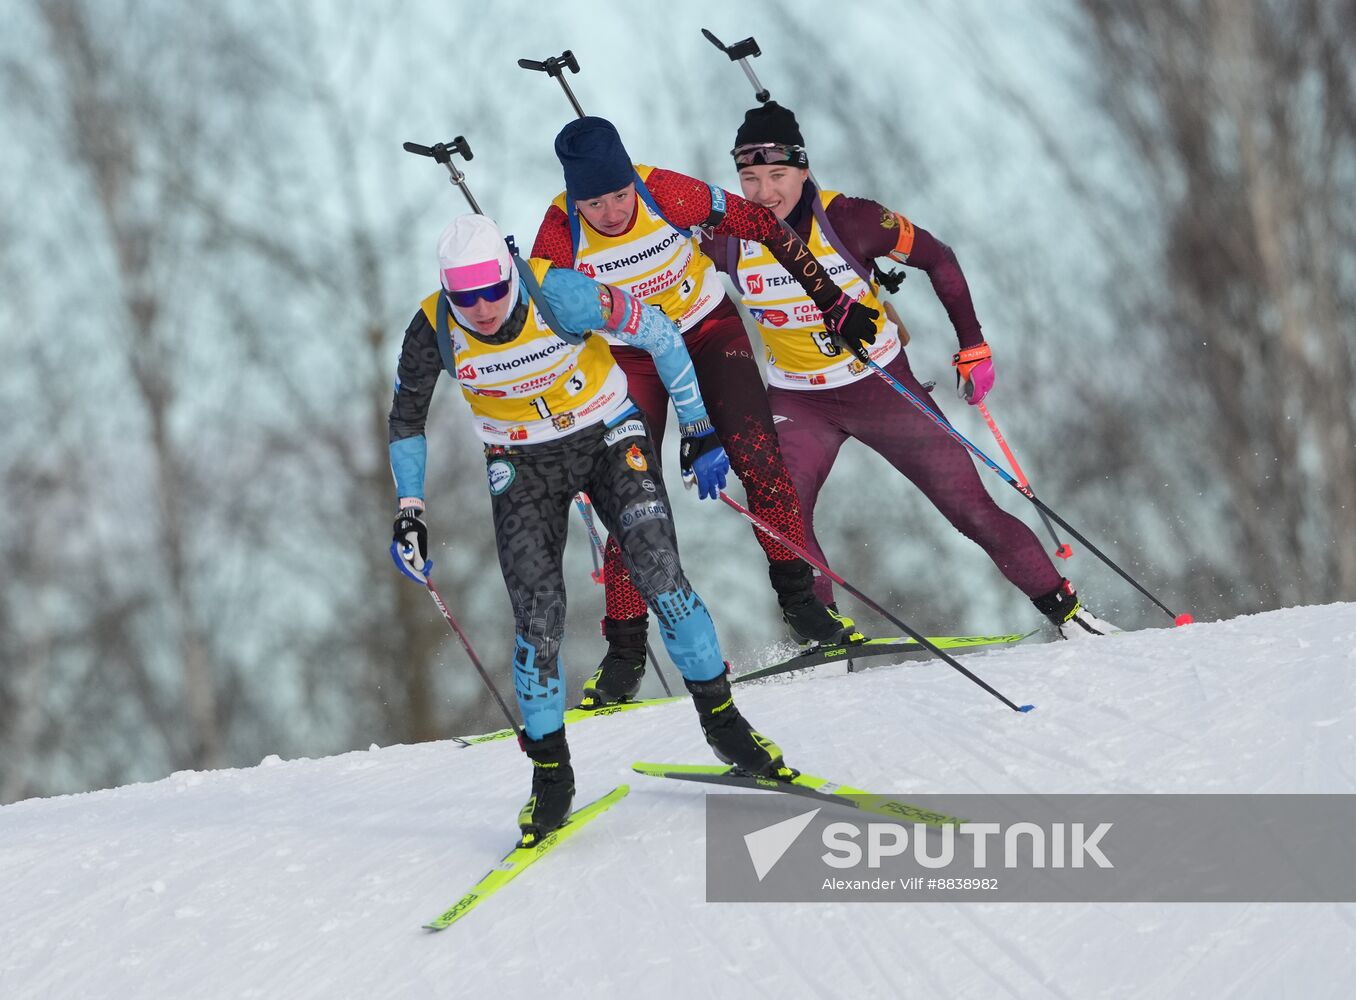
{"x":534,"y":293}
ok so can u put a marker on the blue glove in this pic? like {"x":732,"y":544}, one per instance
{"x":409,"y":545}
{"x":702,"y":460}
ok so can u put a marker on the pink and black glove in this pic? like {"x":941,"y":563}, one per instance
{"x":852,"y":325}
{"x":974,"y":373}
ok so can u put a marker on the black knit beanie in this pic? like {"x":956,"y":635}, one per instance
{"x":771,"y":122}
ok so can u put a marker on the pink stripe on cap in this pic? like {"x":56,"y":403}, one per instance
{"x":459,"y":279}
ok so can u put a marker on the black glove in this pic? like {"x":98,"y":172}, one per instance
{"x":853,"y":325}
{"x":409,"y":544}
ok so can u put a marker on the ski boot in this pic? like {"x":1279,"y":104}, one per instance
{"x":848,"y":623}
{"x":729,"y":734}
{"x":619,"y":675}
{"x":552,"y":787}
{"x":1068,"y":615}
{"x":810,"y":619}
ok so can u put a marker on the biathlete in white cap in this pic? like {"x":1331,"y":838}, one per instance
{"x":552,"y":407}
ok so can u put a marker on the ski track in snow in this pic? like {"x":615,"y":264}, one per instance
{"x":311,"y":878}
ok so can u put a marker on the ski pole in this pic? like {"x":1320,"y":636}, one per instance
{"x":1026,"y":491}
{"x":922,"y":640}
{"x":555,"y":66}
{"x":585,"y":508}
{"x":1062,"y":550}
{"x":475,"y":660}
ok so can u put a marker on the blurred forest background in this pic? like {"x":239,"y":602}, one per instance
{"x":211,"y":244}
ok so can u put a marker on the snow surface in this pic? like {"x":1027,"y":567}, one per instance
{"x":310,"y":878}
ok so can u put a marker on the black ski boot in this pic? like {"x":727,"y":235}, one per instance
{"x":619,"y":675}
{"x":810,"y":619}
{"x":552,"y":786}
{"x":729,"y":733}
{"x":1067,"y":613}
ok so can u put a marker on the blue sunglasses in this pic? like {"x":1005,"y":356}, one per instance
{"x":469,"y":297}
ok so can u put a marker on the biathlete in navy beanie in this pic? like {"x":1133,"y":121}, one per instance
{"x":633,"y":226}
{"x":821,"y":395}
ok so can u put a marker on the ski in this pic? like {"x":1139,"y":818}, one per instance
{"x":850,"y":653}
{"x":807,"y":785}
{"x":572,"y":715}
{"x":513,"y":863}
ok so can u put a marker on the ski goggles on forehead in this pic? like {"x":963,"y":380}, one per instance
{"x":470,"y":296}
{"x":757,"y":153}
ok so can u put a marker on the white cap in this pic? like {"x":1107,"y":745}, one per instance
{"x":472,"y":254}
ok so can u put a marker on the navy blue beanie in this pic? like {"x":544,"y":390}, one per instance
{"x":593,"y":157}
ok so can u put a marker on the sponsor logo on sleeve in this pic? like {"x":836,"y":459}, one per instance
{"x":755,"y":283}
{"x":585,"y":268}
{"x":501,"y":475}
{"x":466,"y":371}
{"x":626,"y":429}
